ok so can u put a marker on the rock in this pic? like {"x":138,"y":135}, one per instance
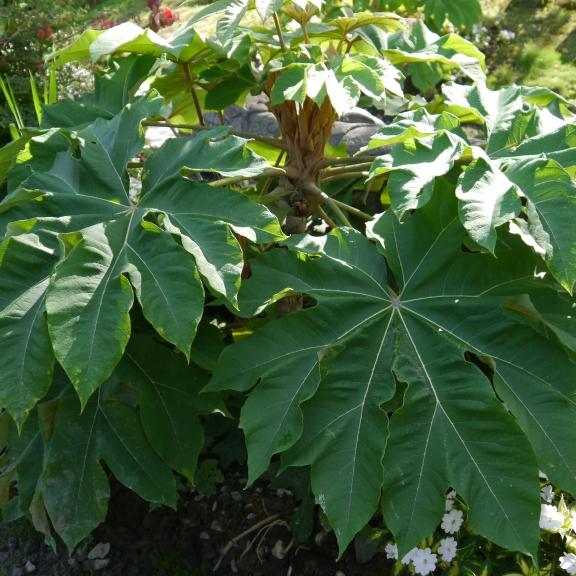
{"x":236,"y":496}
{"x":360,"y":116}
{"x":101,"y":550}
{"x":280,"y":492}
{"x":355,"y":136}
{"x":29,"y":567}
{"x":250,"y":516}
{"x":204,"y":535}
{"x":100,"y":563}
{"x":278,"y":550}
{"x":17,"y":572}
{"x":320,"y":537}
{"x":339,"y":573}
{"x":215,"y":526}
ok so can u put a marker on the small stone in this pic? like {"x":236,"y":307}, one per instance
{"x":29,"y":567}
{"x":215,"y":505}
{"x":215,"y":526}
{"x":198,"y":498}
{"x":17,"y":572}
{"x":339,"y":573}
{"x":99,"y":551}
{"x":258,"y":490}
{"x":250,"y":516}
{"x":204,"y":535}
{"x":319,"y":538}
{"x":72,"y":562}
{"x":278,"y":550}
{"x":100,"y":563}
{"x":283,"y":492}
{"x":236,"y":496}
{"x":233,"y":566}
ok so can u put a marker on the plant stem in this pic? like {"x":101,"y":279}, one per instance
{"x":235,"y":179}
{"x":355,"y":211}
{"x":336,"y":209}
{"x":276,"y":142}
{"x":327,"y":218}
{"x":276,"y":195}
{"x":188,"y":74}
{"x":345,"y":169}
{"x":305,"y":32}
{"x":350,"y":160}
{"x":268,"y":182}
{"x":323,"y":197}
{"x":279,"y":32}
{"x":351,"y":174}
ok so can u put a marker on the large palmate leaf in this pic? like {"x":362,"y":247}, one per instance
{"x":170,"y":404}
{"x":123,"y":245}
{"x":27,"y":359}
{"x":429,"y":58}
{"x":520,"y":175}
{"x":324,"y":376}
{"x":74,"y":483}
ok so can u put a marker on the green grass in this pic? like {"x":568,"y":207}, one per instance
{"x":544,"y":51}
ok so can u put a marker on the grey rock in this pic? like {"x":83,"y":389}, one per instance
{"x":29,"y":567}
{"x":204,"y":535}
{"x":215,"y":526}
{"x":358,"y":136}
{"x":101,"y":550}
{"x":278,"y":550}
{"x":320,"y":537}
{"x":360,"y":116}
{"x":236,"y":496}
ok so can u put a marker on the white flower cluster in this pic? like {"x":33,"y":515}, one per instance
{"x":423,"y":560}
{"x":568,"y":563}
{"x":559,"y":520}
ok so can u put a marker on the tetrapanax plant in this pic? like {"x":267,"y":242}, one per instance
{"x":427,"y":342}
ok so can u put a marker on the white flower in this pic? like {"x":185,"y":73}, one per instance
{"x":551,"y":518}
{"x":391,"y":550}
{"x":451,"y":521}
{"x":447,"y":549}
{"x":424,"y":561}
{"x":568,"y":563}
{"x":409,"y":557}
{"x":547,"y":494}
